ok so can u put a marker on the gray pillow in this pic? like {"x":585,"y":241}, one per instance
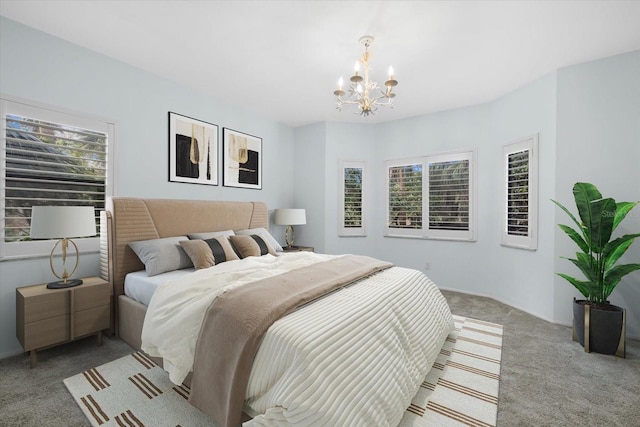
{"x":162,"y":255}
{"x":266,"y":236}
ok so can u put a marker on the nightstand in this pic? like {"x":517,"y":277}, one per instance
{"x":48,"y":317}
{"x":297,"y":249}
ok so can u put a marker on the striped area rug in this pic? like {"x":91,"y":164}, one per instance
{"x":461,"y":388}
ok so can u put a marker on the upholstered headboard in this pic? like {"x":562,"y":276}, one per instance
{"x":129,"y":219}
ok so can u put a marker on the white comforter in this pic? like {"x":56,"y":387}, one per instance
{"x":355,"y":357}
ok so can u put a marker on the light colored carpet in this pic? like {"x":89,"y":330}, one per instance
{"x":546,"y":379}
{"x":461,"y":389}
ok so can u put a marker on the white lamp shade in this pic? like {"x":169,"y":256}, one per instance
{"x":290,"y":217}
{"x":57,"y":222}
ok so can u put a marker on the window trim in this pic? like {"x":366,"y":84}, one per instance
{"x":425,"y":232}
{"x":33,"y":109}
{"x":529,"y":242}
{"x":352,"y":231}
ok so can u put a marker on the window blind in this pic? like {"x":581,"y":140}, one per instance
{"x":50,"y":164}
{"x":518,"y":193}
{"x":352,"y":197}
{"x":405,"y":196}
{"x":449,"y":195}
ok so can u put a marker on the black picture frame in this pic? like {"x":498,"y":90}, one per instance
{"x":241,"y":160}
{"x":193,"y":150}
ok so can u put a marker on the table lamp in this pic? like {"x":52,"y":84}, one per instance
{"x":63,"y":222}
{"x":290,"y":217}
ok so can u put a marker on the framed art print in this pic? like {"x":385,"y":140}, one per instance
{"x":241,"y":160}
{"x":193,"y":150}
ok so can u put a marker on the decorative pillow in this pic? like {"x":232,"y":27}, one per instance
{"x":211,"y":234}
{"x":209,"y":252}
{"x":253,"y":245}
{"x":161,"y":255}
{"x":266,"y":236}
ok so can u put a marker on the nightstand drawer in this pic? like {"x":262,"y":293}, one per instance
{"x":92,"y":320}
{"x":45,"y":306}
{"x":89,"y":297}
{"x":46,"y":317}
{"x":45,"y":332}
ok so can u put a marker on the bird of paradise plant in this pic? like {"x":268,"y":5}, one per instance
{"x":599,"y":254}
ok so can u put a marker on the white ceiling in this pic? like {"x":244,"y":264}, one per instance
{"x":282,"y":59}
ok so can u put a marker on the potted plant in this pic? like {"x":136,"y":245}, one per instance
{"x":598,"y":325}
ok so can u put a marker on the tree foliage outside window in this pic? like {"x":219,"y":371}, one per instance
{"x":405,"y":196}
{"x":352,"y":206}
{"x":352,"y":197}
{"x":449,"y":195}
{"x":520,"y":193}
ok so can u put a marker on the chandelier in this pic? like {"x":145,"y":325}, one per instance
{"x":362,"y":91}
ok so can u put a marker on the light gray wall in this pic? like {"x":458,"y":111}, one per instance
{"x":44,"y":69}
{"x":599,"y":142}
{"x":309,"y":185}
{"x":587,"y":118}
{"x":523,"y":278}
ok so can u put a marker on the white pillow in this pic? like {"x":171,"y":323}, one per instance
{"x":266,"y":236}
{"x":161,"y":255}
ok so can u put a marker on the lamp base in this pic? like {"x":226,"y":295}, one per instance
{"x":60,"y":284}
{"x":289,"y":236}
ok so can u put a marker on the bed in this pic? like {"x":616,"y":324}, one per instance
{"x":354,"y":355}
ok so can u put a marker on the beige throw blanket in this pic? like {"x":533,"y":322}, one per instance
{"x":236,"y":321}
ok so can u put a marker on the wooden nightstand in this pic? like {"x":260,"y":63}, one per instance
{"x":297,"y":249}
{"x":48,"y":317}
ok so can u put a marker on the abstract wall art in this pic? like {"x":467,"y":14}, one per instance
{"x":241,"y":160}
{"x":193,"y":150}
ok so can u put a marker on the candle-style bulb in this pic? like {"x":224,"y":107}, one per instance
{"x":357,"y":67}
{"x":340,"y":83}
{"x":390,"y":72}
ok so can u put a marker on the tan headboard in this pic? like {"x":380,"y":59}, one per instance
{"x":129,"y":219}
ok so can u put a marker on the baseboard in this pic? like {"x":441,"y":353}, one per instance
{"x":477,"y":294}
{"x":11,"y":353}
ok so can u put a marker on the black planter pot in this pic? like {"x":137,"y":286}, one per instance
{"x":600,"y":331}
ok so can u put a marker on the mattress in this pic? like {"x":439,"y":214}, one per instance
{"x":140,"y":287}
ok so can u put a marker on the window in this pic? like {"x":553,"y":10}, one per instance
{"x":440,"y":186}
{"x":351,"y":214}
{"x":520,"y":194}
{"x":404,"y":197}
{"x":49,"y":158}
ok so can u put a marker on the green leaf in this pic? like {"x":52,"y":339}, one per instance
{"x":616,"y":248}
{"x":576,"y":237}
{"x":584,"y":193}
{"x":613,"y":276}
{"x":581,"y":286}
{"x":603,"y":212}
{"x":622,"y":209}
{"x":573,"y":218}
{"x":587,"y":264}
